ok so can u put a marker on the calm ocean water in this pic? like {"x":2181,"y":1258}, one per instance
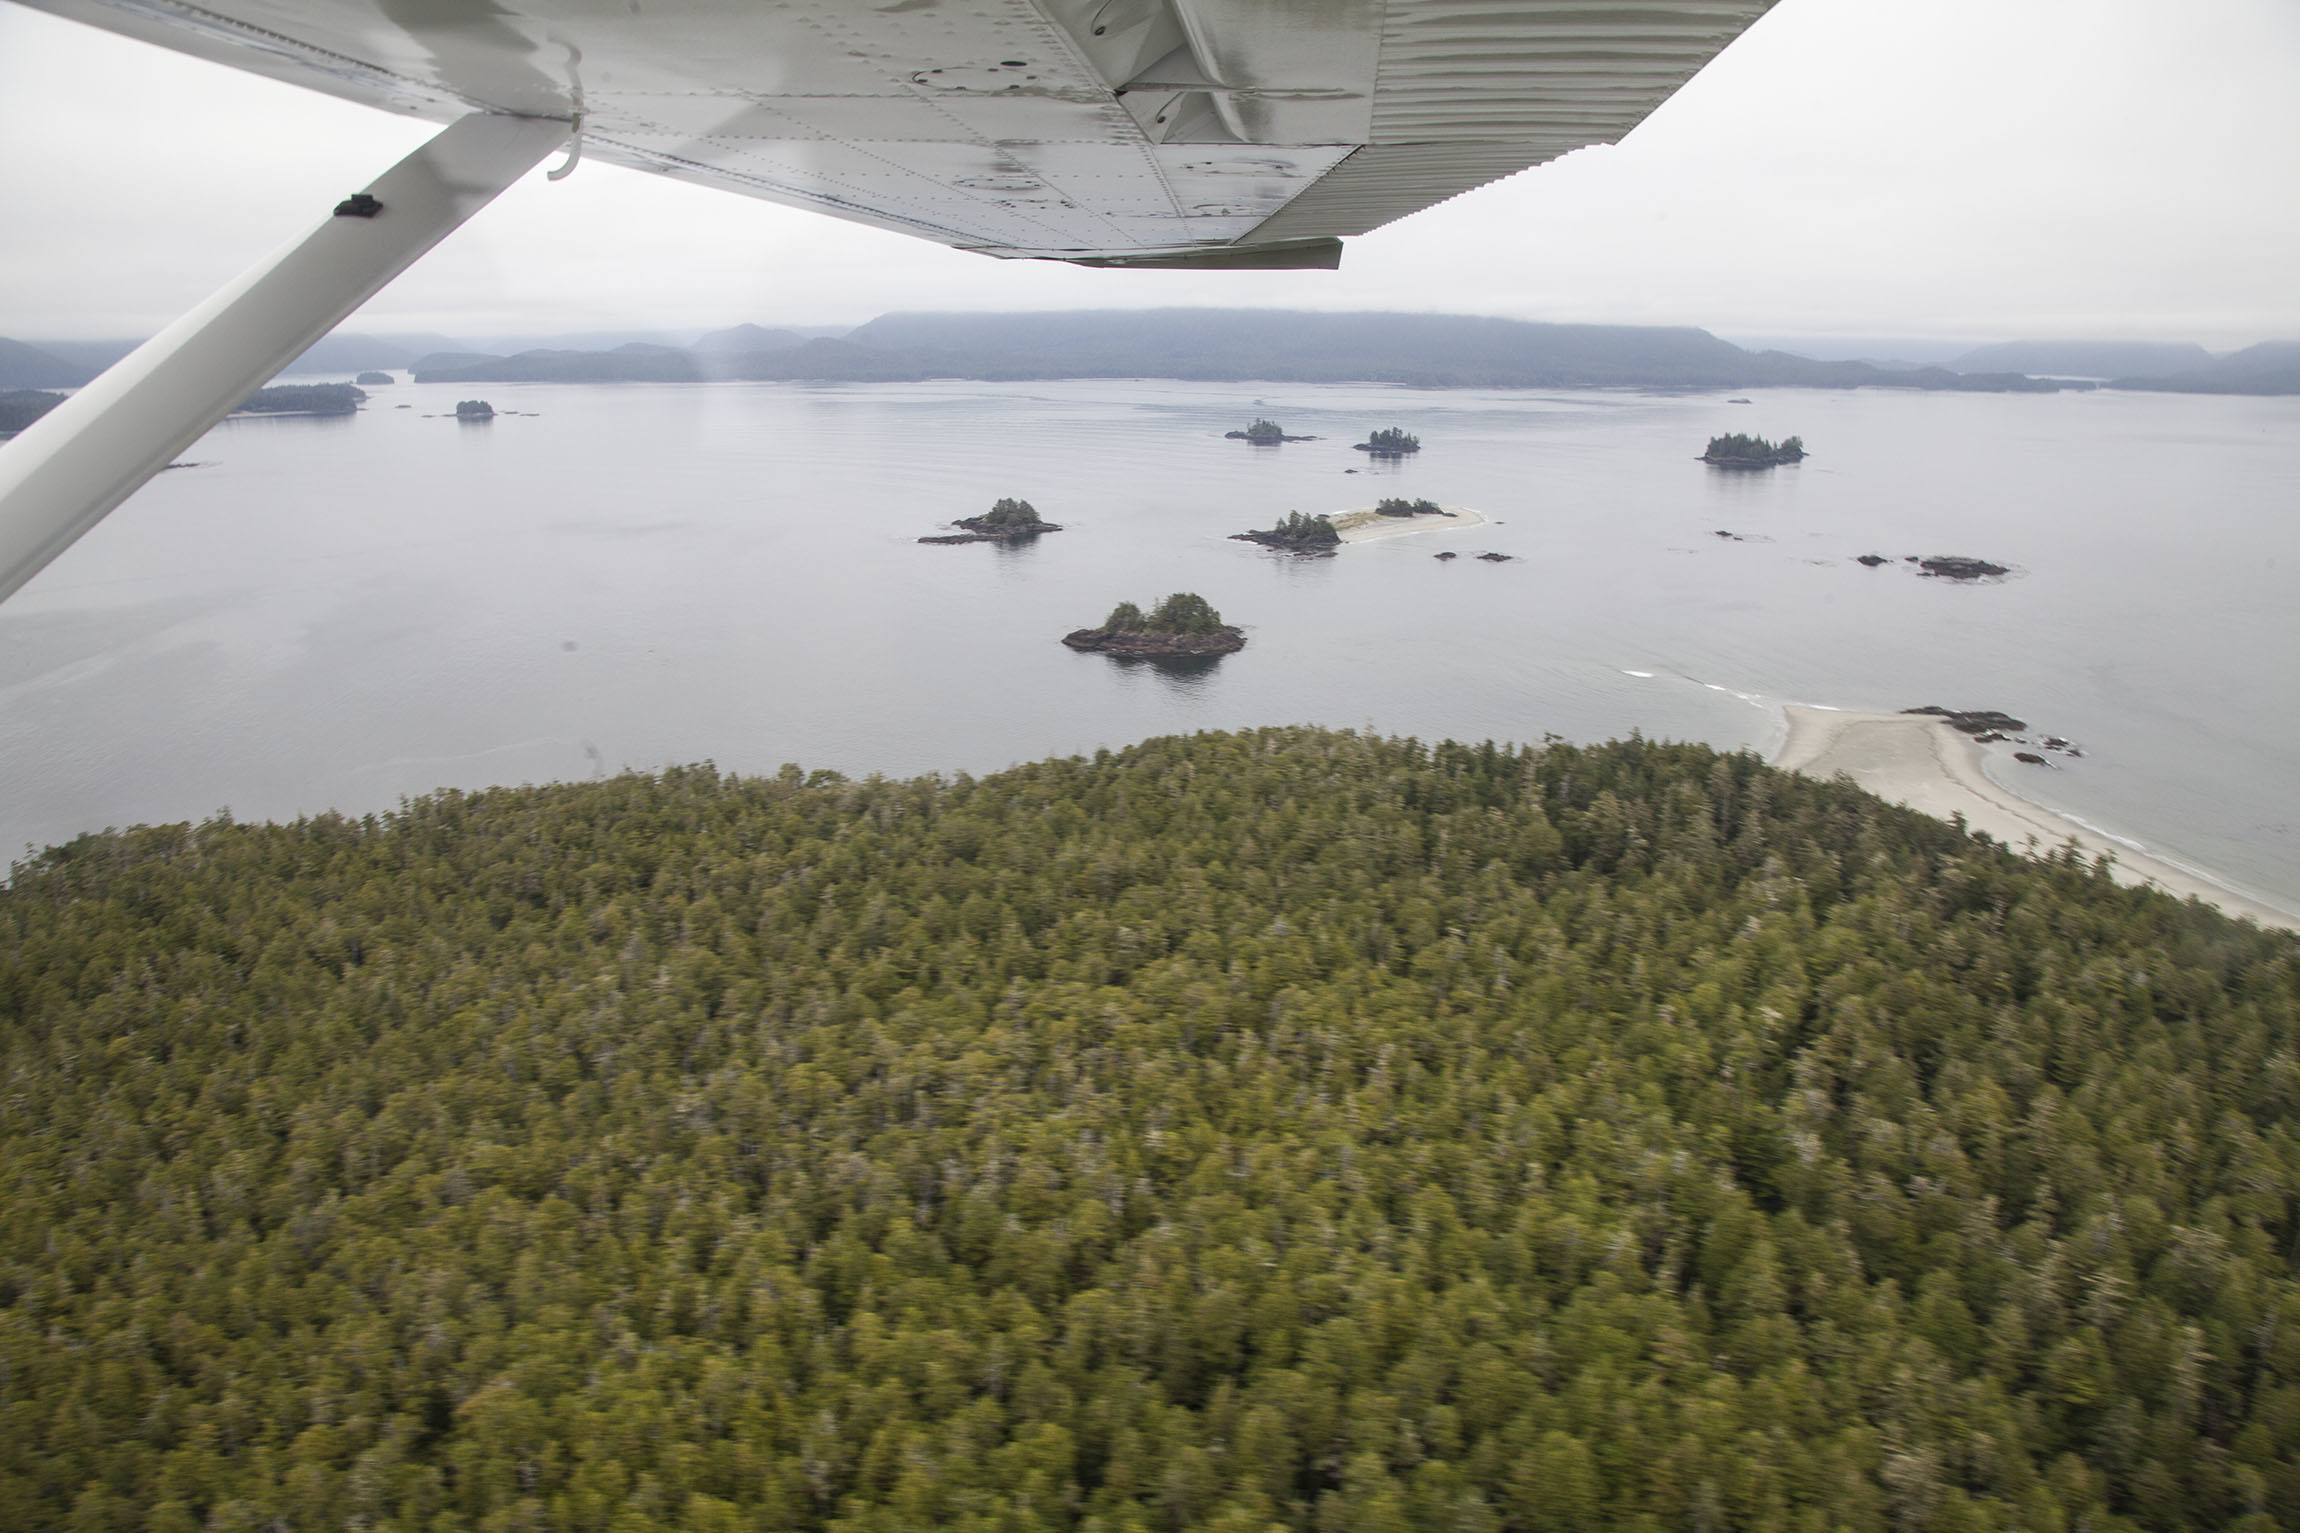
{"x":334,"y":614}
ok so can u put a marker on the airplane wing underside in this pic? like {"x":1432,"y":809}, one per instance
{"x":1116,"y":132}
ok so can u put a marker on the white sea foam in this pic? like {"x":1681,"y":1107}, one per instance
{"x":1640,"y":675}
{"x":2106,"y":834}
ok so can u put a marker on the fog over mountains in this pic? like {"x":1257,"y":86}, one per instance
{"x":1424,"y":350}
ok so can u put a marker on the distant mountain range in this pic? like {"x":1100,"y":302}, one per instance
{"x":2084,"y":359}
{"x":1426,"y":350}
{"x":1236,"y":345}
{"x":33,"y":367}
{"x":2272,"y":367}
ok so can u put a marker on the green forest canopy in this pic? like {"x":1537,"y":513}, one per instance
{"x":1393,"y":439}
{"x":1184,"y":612}
{"x":1398,"y":505}
{"x":304,"y":399}
{"x":1298,"y":530}
{"x":1284,"y":1129}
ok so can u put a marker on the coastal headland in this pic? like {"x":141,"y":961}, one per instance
{"x":1919,"y":761}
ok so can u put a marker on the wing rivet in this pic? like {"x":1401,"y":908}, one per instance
{"x":358,"y":205}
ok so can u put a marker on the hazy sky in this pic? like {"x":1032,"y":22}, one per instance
{"x":1950,"y":168}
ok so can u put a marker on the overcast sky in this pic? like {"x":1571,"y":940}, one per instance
{"x":1978,"y":169}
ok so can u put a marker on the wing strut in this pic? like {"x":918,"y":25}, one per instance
{"x":62,"y":474}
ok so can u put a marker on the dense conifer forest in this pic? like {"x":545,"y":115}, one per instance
{"x":1282,"y":1130}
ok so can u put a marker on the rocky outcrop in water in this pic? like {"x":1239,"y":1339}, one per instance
{"x":1007,"y":521}
{"x":1972,"y":721}
{"x":1183,"y":626}
{"x":1155,"y":646}
{"x":1957,"y":567}
{"x":1295,"y":534}
{"x":1265,"y":433}
{"x":474,"y":410}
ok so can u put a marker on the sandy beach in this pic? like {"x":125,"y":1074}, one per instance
{"x":1370,"y":526}
{"x":1921,"y":762}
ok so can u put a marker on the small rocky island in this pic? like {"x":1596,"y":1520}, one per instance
{"x":1973,"y":721}
{"x":1940,"y":567}
{"x":1397,"y":506}
{"x":372,"y":379}
{"x":1733,"y":450}
{"x":1265,"y":433}
{"x":1957,"y":567}
{"x":474,"y":410}
{"x":1988,"y":726}
{"x":1183,"y":626}
{"x":1390,"y":442}
{"x":1296,"y":534}
{"x":1007,"y":521}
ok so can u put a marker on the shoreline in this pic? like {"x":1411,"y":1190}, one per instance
{"x":1368,"y":526}
{"x":1918,"y":761}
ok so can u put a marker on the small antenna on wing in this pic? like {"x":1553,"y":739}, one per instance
{"x":566,"y":167}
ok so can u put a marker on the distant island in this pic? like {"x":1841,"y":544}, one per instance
{"x":1183,"y":625}
{"x":1265,"y":433}
{"x":1395,"y":506}
{"x":1733,"y":450}
{"x":21,"y":407}
{"x":1007,"y":521}
{"x":1296,"y":534}
{"x":474,"y":410}
{"x":1390,"y":442}
{"x":374,"y":379}
{"x":304,"y":399}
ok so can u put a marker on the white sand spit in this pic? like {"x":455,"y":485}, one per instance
{"x":1370,"y":526}
{"x":1919,"y":761}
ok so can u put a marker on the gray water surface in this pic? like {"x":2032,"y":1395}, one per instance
{"x":335,"y":614}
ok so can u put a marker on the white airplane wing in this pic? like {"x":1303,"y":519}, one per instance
{"x":1202,"y":133}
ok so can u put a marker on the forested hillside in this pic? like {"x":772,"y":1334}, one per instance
{"x":1287,"y":1129}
